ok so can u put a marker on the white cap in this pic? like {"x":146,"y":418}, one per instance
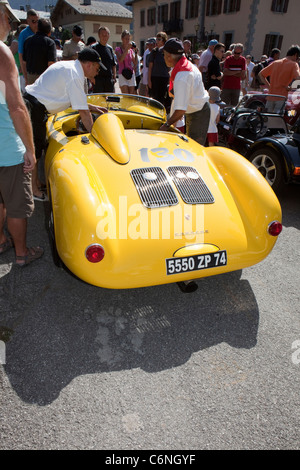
{"x":10,"y":12}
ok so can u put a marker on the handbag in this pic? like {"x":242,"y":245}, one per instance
{"x":127,"y":73}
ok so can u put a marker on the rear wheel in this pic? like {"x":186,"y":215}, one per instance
{"x":270,"y":166}
{"x":55,"y":256}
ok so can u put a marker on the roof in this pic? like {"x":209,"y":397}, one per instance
{"x":22,"y":15}
{"x":96,"y":8}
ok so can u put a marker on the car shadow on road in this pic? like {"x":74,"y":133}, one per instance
{"x":289,"y":199}
{"x":63,"y":328}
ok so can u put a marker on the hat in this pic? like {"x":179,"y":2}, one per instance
{"x":133,"y":44}
{"x":90,"y":55}
{"x":213,"y":42}
{"x":174,"y":46}
{"x":214,"y":94}
{"x":151,"y":41}
{"x":9,"y":10}
{"x":78,"y":31}
{"x":195,"y":56}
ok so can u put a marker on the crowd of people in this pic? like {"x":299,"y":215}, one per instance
{"x":40,"y":76}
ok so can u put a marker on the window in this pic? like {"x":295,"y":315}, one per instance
{"x":231,"y":6}
{"x":162,"y":13}
{"x":192,"y":9}
{"x":175,"y":10}
{"x":213,"y":7}
{"x":142,"y":18}
{"x":271,"y":41}
{"x":151,"y":17}
{"x":228,"y":40}
{"x":280,"y":6}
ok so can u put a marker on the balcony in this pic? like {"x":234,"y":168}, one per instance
{"x":173,"y":26}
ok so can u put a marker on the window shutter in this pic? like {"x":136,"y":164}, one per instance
{"x":280,"y":39}
{"x":273,"y":6}
{"x":266,"y":45}
{"x":238,"y":5}
{"x":225,"y":6}
{"x":207,"y":7}
{"x":286,"y":5}
{"x":220,"y":7}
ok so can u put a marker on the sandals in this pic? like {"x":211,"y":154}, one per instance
{"x":33,"y":254}
{"x":6,"y":245}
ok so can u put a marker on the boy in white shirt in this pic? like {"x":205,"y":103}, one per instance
{"x":214,"y":98}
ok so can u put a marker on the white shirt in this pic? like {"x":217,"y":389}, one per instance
{"x":205,"y":59}
{"x":214,"y":111}
{"x":61,"y":86}
{"x":145,"y":68}
{"x":189,"y":92}
{"x":250,"y":68}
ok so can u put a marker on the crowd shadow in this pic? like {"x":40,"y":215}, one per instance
{"x":65,"y":328}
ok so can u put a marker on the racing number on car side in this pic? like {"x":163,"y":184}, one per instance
{"x":196,"y":262}
{"x":163,"y":155}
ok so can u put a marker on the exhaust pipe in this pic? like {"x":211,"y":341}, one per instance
{"x":187,"y":287}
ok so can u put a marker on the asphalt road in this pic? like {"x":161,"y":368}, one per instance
{"x":152,"y":368}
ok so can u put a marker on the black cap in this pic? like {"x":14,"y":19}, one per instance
{"x":78,"y":31}
{"x":90,"y":55}
{"x":174,"y":46}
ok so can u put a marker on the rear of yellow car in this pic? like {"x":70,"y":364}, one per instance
{"x":172,"y":211}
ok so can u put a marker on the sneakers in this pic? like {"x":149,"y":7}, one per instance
{"x":42,"y":198}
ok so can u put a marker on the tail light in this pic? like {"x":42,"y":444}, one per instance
{"x":275,"y":228}
{"x":94,"y":253}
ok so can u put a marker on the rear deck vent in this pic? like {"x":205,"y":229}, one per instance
{"x":190,"y":185}
{"x":153,"y":187}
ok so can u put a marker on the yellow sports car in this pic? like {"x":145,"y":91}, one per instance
{"x":133,"y":206}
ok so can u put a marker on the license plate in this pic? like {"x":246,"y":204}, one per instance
{"x":196,"y":262}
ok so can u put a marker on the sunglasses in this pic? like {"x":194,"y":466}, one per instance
{"x":34,"y":21}
{"x":237,"y":53}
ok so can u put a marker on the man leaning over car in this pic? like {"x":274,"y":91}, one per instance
{"x":58,"y":88}
{"x":190,"y":97}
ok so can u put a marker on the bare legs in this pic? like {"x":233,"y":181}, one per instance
{"x":17,"y":229}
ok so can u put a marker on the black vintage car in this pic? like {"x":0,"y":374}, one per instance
{"x":257,"y":129}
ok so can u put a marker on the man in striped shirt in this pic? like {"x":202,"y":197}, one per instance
{"x":234,"y":72}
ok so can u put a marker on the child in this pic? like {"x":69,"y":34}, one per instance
{"x":214,"y":98}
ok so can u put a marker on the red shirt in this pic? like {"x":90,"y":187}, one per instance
{"x":232,"y":82}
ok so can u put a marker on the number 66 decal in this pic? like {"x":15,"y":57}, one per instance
{"x":163,"y":155}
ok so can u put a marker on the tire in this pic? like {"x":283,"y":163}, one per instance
{"x":270,"y":166}
{"x":51,"y":231}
